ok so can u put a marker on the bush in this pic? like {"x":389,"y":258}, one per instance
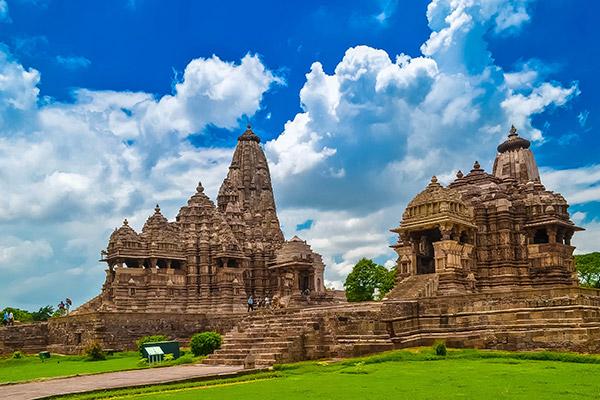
{"x":169,"y":357}
{"x":187,"y":359}
{"x":204,"y":343}
{"x":17,"y":355}
{"x":142,"y":362}
{"x":439,"y":348}
{"x":149,"y":339}
{"x":94,"y":352}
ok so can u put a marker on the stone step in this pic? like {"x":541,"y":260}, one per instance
{"x":258,"y":346}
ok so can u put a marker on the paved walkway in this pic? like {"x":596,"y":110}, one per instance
{"x":112,"y":380}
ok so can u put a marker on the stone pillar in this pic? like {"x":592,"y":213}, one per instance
{"x":551,"y":230}
{"x":568,"y":236}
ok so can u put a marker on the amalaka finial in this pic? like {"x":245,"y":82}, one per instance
{"x":434,"y":179}
{"x":200,"y":188}
{"x":248,"y":126}
{"x":125,"y":222}
{"x":513,"y":131}
{"x":476,"y":165}
{"x":459,"y":174}
{"x":157,"y":208}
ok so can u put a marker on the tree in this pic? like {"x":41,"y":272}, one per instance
{"x":366,"y":278}
{"x":588,"y":269}
{"x":18,"y":314}
{"x":43,"y":313}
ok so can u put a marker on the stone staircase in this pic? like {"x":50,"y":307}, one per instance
{"x":263,"y":340}
{"x":415,"y":286}
{"x":268,"y":338}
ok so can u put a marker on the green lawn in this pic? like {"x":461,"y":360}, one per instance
{"x":31,"y":367}
{"x":465,"y":374}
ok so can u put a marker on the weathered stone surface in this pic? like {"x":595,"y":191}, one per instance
{"x":483,"y":232}
{"x":485,"y":262}
{"x":211,"y":258}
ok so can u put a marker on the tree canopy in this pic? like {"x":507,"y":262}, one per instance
{"x":588,"y":269}
{"x":43,"y":314}
{"x":366,"y":279}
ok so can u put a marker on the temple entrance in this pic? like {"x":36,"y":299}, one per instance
{"x":425,"y":252}
{"x":304,"y":281}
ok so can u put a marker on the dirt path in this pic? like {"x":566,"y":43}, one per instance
{"x":112,"y":380}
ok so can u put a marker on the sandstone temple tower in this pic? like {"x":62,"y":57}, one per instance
{"x":487,"y":231}
{"x":211,"y":258}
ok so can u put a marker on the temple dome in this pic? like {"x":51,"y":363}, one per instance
{"x":157,"y":229}
{"x":123,"y":235}
{"x":515,"y":160}
{"x":296,"y":250}
{"x":513,"y":142}
{"x":435,"y":200}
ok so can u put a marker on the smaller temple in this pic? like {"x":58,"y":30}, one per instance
{"x":297,"y":270}
{"x":487,"y":231}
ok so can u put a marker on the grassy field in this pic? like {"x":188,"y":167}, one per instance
{"x":462,"y":374}
{"x":30,"y":367}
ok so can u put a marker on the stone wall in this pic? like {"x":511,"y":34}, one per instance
{"x":565,"y":319}
{"x":68,"y":335}
{"x":28,"y":338}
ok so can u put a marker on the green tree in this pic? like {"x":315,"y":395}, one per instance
{"x":43,"y":313}
{"x":366,"y":278}
{"x":588,"y":269}
{"x":18,"y":314}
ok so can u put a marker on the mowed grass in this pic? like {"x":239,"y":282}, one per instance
{"x":463,"y":374}
{"x":31,"y":367}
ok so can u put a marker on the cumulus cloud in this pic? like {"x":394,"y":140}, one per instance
{"x":579,"y":185}
{"x":16,"y":253}
{"x":389,"y":123}
{"x":75,"y":169}
{"x":369,"y":136}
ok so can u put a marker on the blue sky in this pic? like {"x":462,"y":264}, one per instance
{"x":107,"y":108}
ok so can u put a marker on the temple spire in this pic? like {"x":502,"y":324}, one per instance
{"x":515,"y":160}
{"x":249,"y":135}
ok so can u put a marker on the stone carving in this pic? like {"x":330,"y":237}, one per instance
{"x":212,"y":257}
{"x":488,"y":231}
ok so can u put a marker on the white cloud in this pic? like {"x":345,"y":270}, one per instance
{"x":578,"y":185}
{"x":16,"y":253}
{"x":369,"y":136}
{"x":521,"y":107}
{"x":74,"y":170}
{"x":391,"y":125}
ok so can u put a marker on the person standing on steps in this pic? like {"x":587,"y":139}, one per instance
{"x":250,"y":303}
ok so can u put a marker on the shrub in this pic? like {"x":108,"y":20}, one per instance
{"x":17,"y":355}
{"x":169,"y":357}
{"x":202,"y":344}
{"x":439,"y":348}
{"x":149,"y":339}
{"x":94,"y":352}
{"x":142,"y":362}
{"x":187,"y":359}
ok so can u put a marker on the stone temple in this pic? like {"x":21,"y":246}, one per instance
{"x":487,"y":232}
{"x":211,"y":258}
{"x":484,"y":262}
